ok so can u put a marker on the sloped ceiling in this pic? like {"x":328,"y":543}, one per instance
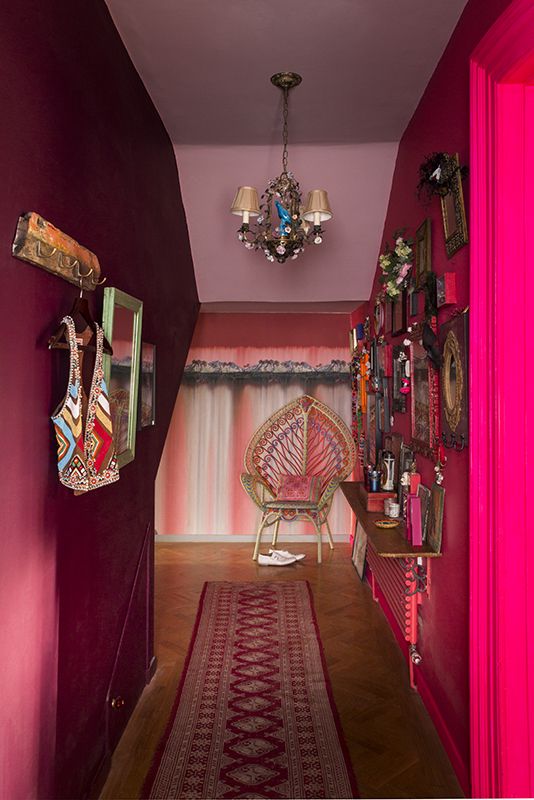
{"x":207,"y":64}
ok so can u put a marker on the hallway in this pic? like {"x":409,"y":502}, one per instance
{"x":393,"y":746}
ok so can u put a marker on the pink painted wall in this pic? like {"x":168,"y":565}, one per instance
{"x":81,"y":143}
{"x":271,"y":330}
{"x":441,"y":122}
{"x":212,"y":423}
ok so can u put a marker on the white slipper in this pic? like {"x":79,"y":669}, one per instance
{"x":275,"y":560}
{"x":287,"y":554}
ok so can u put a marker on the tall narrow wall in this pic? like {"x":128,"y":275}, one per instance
{"x":81,"y":143}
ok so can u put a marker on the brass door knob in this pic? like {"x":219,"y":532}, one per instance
{"x":117,"y":702}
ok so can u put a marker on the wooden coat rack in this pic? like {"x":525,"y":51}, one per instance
{"x":42,"y":244}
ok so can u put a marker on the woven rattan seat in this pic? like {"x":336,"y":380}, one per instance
{"x":304,"y":438}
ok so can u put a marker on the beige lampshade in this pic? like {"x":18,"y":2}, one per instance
{"x":317,"y":208}
{"x":246,"y":200}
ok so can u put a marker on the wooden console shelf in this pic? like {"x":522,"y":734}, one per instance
{"x":387,"y":543}
{"x":400,"y":570}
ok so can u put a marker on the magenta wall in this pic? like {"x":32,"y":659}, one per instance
{"x":81,"y":143}
{"x":441,"y":123}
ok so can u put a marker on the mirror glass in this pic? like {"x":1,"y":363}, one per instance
{"x":122,"y":321}
{"x":451,"y":393}
{"x":120,"y":380}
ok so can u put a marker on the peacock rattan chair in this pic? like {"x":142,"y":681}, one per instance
{"x":304,"y":438}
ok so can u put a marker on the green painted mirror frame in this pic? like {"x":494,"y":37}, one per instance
{"x":121,"y":370}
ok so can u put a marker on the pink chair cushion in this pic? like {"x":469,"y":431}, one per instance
{"x":299,"y":487}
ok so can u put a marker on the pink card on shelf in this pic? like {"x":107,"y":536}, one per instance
{"x":415,"y":480}
{"x":409,"y":519}
{"x":415,"y":520}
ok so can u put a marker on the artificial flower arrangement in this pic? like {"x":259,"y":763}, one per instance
{"x":436,"y":176}
{"x":396,"y":265}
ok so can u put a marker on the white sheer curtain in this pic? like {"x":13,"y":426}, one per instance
{"x":197,"y":487}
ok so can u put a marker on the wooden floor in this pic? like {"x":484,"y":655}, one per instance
{"x":394,"y":748}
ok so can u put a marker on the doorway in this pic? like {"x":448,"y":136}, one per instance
{"x":501,"y":556}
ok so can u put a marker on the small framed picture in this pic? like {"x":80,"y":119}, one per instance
{"x":393,"y":443}
{"x":372,"y":429}
{"x":359,"y":550}
{"x":413,"y":301}
{"x":147,"y":386}
{"x":424,"y":493}
{"x":406,"y":460}
{"x":446,"y":289}
{"x":379,"y":317}
{"x":398,"y":315}
{"x":399,"y":374}
{"x":435,"y":517}
{"x":453,"y":210}
{"x":373,"y":358}
{"x":423,"y":252}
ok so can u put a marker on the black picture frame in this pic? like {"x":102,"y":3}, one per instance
{"x":399,"y":371}
{"x":413,"y":301}
{"x":146,"y":415}
{"x":398,"y":314}
{"x":373,"y":357}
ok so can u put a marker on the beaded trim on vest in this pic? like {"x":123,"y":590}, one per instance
{"x":86,"y":460}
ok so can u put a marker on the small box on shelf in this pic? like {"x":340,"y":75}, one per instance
{"x":374,"y":501}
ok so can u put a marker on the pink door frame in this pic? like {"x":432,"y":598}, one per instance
{"x":501,"y":548}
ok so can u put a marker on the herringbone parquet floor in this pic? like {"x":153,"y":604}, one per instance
{"x":393,"y":745}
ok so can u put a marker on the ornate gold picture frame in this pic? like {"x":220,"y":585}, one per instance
{"x":453,"y":210}
{"x":454,"y":381}
{"x":424,"y":399}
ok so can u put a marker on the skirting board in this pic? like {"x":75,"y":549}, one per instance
{"x":458,"y":763}
{"x":245,"y":537}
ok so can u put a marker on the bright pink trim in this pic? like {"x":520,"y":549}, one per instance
{"x":501,"y":554}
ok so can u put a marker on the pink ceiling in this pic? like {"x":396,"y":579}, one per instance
{"x":207,"y":64}
{"x":358,"y":178}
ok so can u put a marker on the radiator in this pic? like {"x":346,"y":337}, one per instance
{"x":402,"y":581}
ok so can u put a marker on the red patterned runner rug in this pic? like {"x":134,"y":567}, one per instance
{"x":254,"y":716}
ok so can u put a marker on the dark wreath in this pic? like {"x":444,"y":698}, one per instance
{"x":436,"y":176}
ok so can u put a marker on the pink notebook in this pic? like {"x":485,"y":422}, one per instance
{"x":414,"y":515}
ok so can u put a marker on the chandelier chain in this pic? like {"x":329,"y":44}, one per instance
{"x":281,"y":231}
{"x":284,"y":131}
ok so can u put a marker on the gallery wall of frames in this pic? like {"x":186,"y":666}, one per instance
{"x":410,"y":390}
{"x":409,"y":357}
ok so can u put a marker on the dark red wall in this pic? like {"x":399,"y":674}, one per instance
{"x":441,"y":123}
{"x":81,"y":143}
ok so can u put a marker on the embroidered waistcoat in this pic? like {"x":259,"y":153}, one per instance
{"x":85,"y":448}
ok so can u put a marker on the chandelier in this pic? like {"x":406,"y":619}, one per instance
{"x":283,"y":226}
